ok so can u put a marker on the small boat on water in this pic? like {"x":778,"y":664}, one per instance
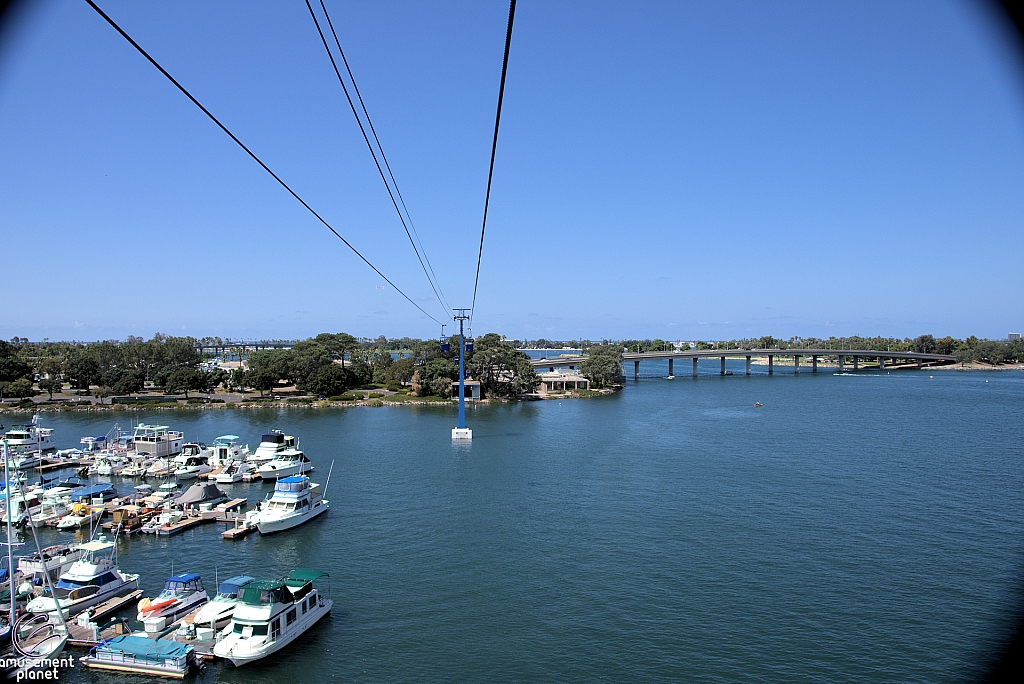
{"x":233,"y":473}
{"x":192,"y":468}
{"x":218,"y":611}
{"x":103,"y":491}
{"x":128,"y":519}
{"x":271,"y":615}
{"x":226,"y":450}
{"x":139,"y":654}
{"x":295,"y":501}
{"x":164,"y":519}
{"x":29,"y":438}
{"x":53,"y":560}
{"x":181,"y":595}
{"x":160,"y":467}
{"x":92,"y":579}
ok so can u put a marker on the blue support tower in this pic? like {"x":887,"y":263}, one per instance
{"x":461,"y":431}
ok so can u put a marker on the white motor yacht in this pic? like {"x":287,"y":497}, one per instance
{"x":157,"y":440}
{"x":287,"y":463}
{"x":233,"y":473}
{"x":271,"y":444}
{"x":51,"y":512}
{"x":90,"y":580}
{"x":226,"y":450}
{"x":109,"y":463}
{"x":160,"y":467}
{"x":181,"y":595}
{"x":23,"y":506}
{"x":53,"y":560}
{"x":137,"y":468}
{"x":30,"y":438}
{"x":271,"y":615}
{"x":218,"y":611}
{"x":192,"y":468}
{"x":166,"y":518}
{"x":295,"y":501}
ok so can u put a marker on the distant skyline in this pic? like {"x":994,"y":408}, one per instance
{"x":678,"y":170}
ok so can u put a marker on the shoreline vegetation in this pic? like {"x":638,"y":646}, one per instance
{"x":336,"y":370}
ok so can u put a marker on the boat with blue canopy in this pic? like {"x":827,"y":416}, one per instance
{"x":142,"y":655}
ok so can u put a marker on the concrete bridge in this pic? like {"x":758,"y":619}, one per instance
{"x":854,"y":355}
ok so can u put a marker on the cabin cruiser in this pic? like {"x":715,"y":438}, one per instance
{"x":157,"y":440}
{"x":193,"y":467}
{"x":233,"y":473}
{"x":90,"y":580}
{"x":50,"y":512}
{"x":23,"y":507}
{"x":181,"y":595}
{"x":24,"y":460}
{"x":108,"y":464}
{"x":30,"y":437}
{"x":137,"y":468}
{"x":271,"y":444}
{"x":218,"y":611}
{"x":285,"y":464}
{"x":100,"y":492}
{"x":225,"y":450}
{"x":271,"y":615}
{"x":53,"y":560}
{"x":295,"y":501}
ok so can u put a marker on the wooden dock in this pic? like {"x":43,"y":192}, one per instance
{"x":238,"y":532}
{"x":182,"y":525}
{"x":83,"y":636}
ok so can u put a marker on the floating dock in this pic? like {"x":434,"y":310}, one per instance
{"x":82,"y":637}
{"x":182,"y":525}
{"x":238,"y":532}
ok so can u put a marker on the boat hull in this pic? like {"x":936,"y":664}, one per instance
{"x":273,"y":646}
{"x":272,"y":526}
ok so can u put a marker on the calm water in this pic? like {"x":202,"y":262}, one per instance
{"x":861,"y":528}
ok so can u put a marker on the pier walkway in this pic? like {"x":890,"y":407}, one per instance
{"x":843,"y":356}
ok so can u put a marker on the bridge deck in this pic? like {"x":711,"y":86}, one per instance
{"x":562,"y":361}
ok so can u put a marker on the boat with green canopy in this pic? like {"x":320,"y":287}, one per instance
{"x":272,"y":614}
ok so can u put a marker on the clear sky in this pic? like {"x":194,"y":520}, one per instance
{"x":681,"y":170}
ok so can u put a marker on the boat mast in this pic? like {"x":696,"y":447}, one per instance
{"x":328,"y":479}
{"x":10,"y":553}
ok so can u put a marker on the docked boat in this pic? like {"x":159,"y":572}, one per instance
{"x":160,"y":467}
{"x":218,"y":611}
{"x":50,"y":512}
{"x":103,"y":491}
{"x":226,"y":450}
{"x":53,"y":560}
{"x":25,"y":460}
{"x":287,"y":463}
{"x":164,"y":519}
{"x":109,"y":463}
{"x":181,"y":595}
{"x":295,"y":501}
{"x":81,"y":515}
{"x":92,"y":579}
{"x":30,"y":438}
{"x":158,"y":441}
{"x":128,"y":519}
{"x":271,"y":444}
{"x":193,"y":467}
{"x":137,"y":467}
{"x":139,"y":654}
{"x":233,"y":473}
{"x":23,"y":506}
{"x":271,"y":615}
{"x":204,"y":495}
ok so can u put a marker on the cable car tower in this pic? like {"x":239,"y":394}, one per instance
{"x":461,"y":432}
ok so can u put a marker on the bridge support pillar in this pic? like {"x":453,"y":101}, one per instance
{"x":771,"y":364}
{"x":748,"y":365}
{"x":636,"y":370}
{"x":856,"y":364}
{"x":796,"y":364}
{"x":842,"y":364}
{"x":814,"y":363}
{"x":722,"y":372}
{"x":695,"y":367}
{"x":670,"y":373}
{"x":919,"y":366}
{"x":881,"y":363}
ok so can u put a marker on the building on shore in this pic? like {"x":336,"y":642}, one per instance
{"x":561,"y":381}
{"x":472,"y":390}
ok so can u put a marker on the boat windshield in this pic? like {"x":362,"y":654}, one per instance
{"x":250,"y":630}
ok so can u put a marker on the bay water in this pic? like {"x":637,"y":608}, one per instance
{"x":863,"y":528}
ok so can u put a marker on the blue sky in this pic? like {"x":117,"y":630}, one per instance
{"x":680,"y":170}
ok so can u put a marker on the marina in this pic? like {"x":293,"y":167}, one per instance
{"x":386,"y":505}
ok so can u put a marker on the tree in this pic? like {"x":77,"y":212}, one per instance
{"x":52,"y":381}
{"x":130,"y":382}
{"x":401,"y":371}
{"x":83,"y":370}
{"x":13,"y":368}
{"x":924,"y":344}
{"x":328,"y":381}
{"x":51,"y":384}
{"x":262,"y":379}
{"x":184,"y":380}
{"x":603,"y":365}
{"x":502,"y":370}
{"x":305,"y":358}
{"x":22,"y":387}
{"x":239,"y":379}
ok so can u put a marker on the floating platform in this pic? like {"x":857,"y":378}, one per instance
{"x":238,"y":532}
{"x":82,"y":637}
{"x":182,"y":525}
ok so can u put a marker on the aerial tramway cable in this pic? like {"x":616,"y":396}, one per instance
{"x":383,"y":156}
{"x":494,"y":147}
{"x":253,"y":155}
{"x":369,"y":145}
